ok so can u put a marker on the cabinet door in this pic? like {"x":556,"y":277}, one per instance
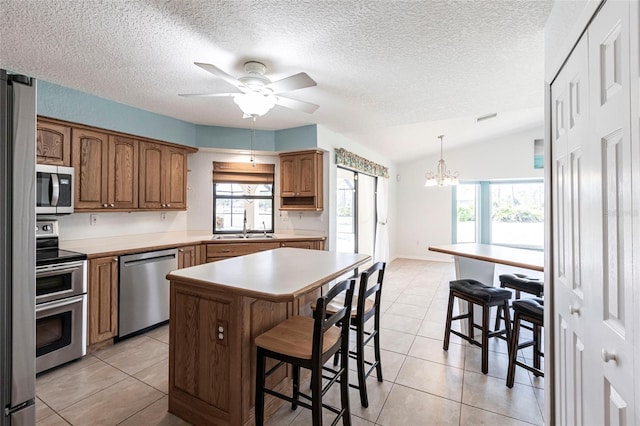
{"x":122,"y":171}
{"x":306,"y":172}
{"x":175,"y":176}
{"x":187,"y":257}
{"x":88,"y":157}
{"x":287,"y":177}
{"x":53,"y":144}
{"x":103,"y":299}
{"x":150,"y":177}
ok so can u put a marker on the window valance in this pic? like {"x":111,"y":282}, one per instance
{"x":360,"y":164}
{"x":224,"y":172}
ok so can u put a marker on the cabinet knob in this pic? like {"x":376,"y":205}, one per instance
{"x":181,"y":250}
{"x":609,"y":356}
{"x":574,"y":310}
{"x":105,"y":205}
{"x":168,"y":205}
{"x":115,"y":259}
{"x":112,"y":205}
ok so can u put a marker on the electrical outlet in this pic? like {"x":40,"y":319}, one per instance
{"x":163,"y":216}
{"x":93,"y":219}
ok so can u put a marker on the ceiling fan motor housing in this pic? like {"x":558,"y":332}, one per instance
{"x":255,"y":78}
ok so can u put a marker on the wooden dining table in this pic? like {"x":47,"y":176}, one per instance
{"x":217,"y":310}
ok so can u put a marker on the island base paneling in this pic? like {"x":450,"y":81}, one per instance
{"x":212,"y":353}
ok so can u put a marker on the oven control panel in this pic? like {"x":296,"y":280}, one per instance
{"x":46,"y":228}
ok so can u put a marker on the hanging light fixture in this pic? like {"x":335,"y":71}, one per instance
{"x":255,"y":104}
{"x":442,"y":177}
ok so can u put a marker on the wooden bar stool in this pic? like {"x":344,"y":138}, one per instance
{"x":309,"y":343}
{"x":365,"y":306}
{"x":531,"y":310}
{"x":486,"y":296}
{"x":521,"y":284}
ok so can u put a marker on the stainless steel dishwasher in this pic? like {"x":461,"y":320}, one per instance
{"x":143,"y":299}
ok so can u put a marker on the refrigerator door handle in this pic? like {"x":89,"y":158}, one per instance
{"x":55,"y":184}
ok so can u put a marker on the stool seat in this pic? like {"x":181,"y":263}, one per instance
{"x":522,"y":283}
{"x":486,"y":296}
{"x":533,"y":307}
{"x":294,"y":337}
{"x":480,"y":291}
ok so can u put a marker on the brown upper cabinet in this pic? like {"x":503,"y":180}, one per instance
{"x":163,"y":177}
{"x":53,"y":143}
{"x":115,"y":171}
{"x":301,"y":180}
{"x":106,"y":171}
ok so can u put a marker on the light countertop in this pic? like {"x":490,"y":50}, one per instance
{"x":528,"y":259}
{"x":111,"y":246}
{"x":275,"y":275}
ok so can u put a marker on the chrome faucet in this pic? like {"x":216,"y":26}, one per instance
{"x":264,"y":229}
{"x":244,"y":223}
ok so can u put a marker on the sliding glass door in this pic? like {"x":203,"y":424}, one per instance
{"x":356,"y":211}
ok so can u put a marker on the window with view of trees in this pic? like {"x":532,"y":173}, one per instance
{"x":508,"y":213}
{"x":241,"y":192}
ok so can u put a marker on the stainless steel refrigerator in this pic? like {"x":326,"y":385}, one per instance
{"x":17,"y":249}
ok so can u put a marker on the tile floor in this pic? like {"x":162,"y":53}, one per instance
{"x":126,"y":384}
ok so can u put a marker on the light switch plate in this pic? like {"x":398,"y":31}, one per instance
{"x":93,"y":219}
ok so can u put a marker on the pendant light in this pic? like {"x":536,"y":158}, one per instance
{"x":442,"y":176}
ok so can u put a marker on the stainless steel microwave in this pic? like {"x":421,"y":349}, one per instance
{"x":54,"y":189}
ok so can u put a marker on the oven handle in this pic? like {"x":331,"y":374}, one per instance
{"x":47,"y":270}
{"x":59,"y":303}
{"x":56,"y":189}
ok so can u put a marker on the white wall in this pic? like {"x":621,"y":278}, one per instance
{"x":329,"y":141}
{"x":424,"y":214}
{"x":76,"y":226}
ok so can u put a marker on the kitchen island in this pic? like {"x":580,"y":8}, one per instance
{"x":217,"y":310}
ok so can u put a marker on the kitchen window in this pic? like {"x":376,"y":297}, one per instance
{"x":243,"y":192}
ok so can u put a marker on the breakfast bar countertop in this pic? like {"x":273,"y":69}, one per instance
{"x":278,"y":275}
{"x":521,"y":258}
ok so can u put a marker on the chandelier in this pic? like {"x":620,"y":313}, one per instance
{"x":442,"y":177}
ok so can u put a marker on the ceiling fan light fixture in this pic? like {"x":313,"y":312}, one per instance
{"x":442,"y":176}
{"x":255,"y":104}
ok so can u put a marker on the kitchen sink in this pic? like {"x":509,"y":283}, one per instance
{"x":241,"y":236}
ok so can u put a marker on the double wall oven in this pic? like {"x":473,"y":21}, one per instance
{"x":61,"y":300}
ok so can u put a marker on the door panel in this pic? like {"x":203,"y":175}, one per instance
{"x":570,"y":131}
{"x":610,"y":236}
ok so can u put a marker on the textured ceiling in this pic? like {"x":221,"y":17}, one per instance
{"x":391,"y":75}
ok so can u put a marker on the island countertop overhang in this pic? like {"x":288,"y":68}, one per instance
{"x":272,"y":275}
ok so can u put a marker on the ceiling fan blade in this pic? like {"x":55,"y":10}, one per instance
{"x":206,"y":95}
{"x":222,"y":75}
{"x":297,"y":105}
{"x":294,"y":82}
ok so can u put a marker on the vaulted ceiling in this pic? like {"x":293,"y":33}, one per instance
{"x":391,"y":75}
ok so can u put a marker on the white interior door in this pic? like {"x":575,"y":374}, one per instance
{"x":570,"y":95}
{"x":593,"y":233}
{"x":610,"y":238}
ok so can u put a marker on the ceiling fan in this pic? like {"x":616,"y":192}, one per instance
{"x":257,"y":94}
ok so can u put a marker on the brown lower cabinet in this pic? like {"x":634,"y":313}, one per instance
{"x":103,"y":299}
{"x":102,"y":293}
{"x":188,"y":256}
